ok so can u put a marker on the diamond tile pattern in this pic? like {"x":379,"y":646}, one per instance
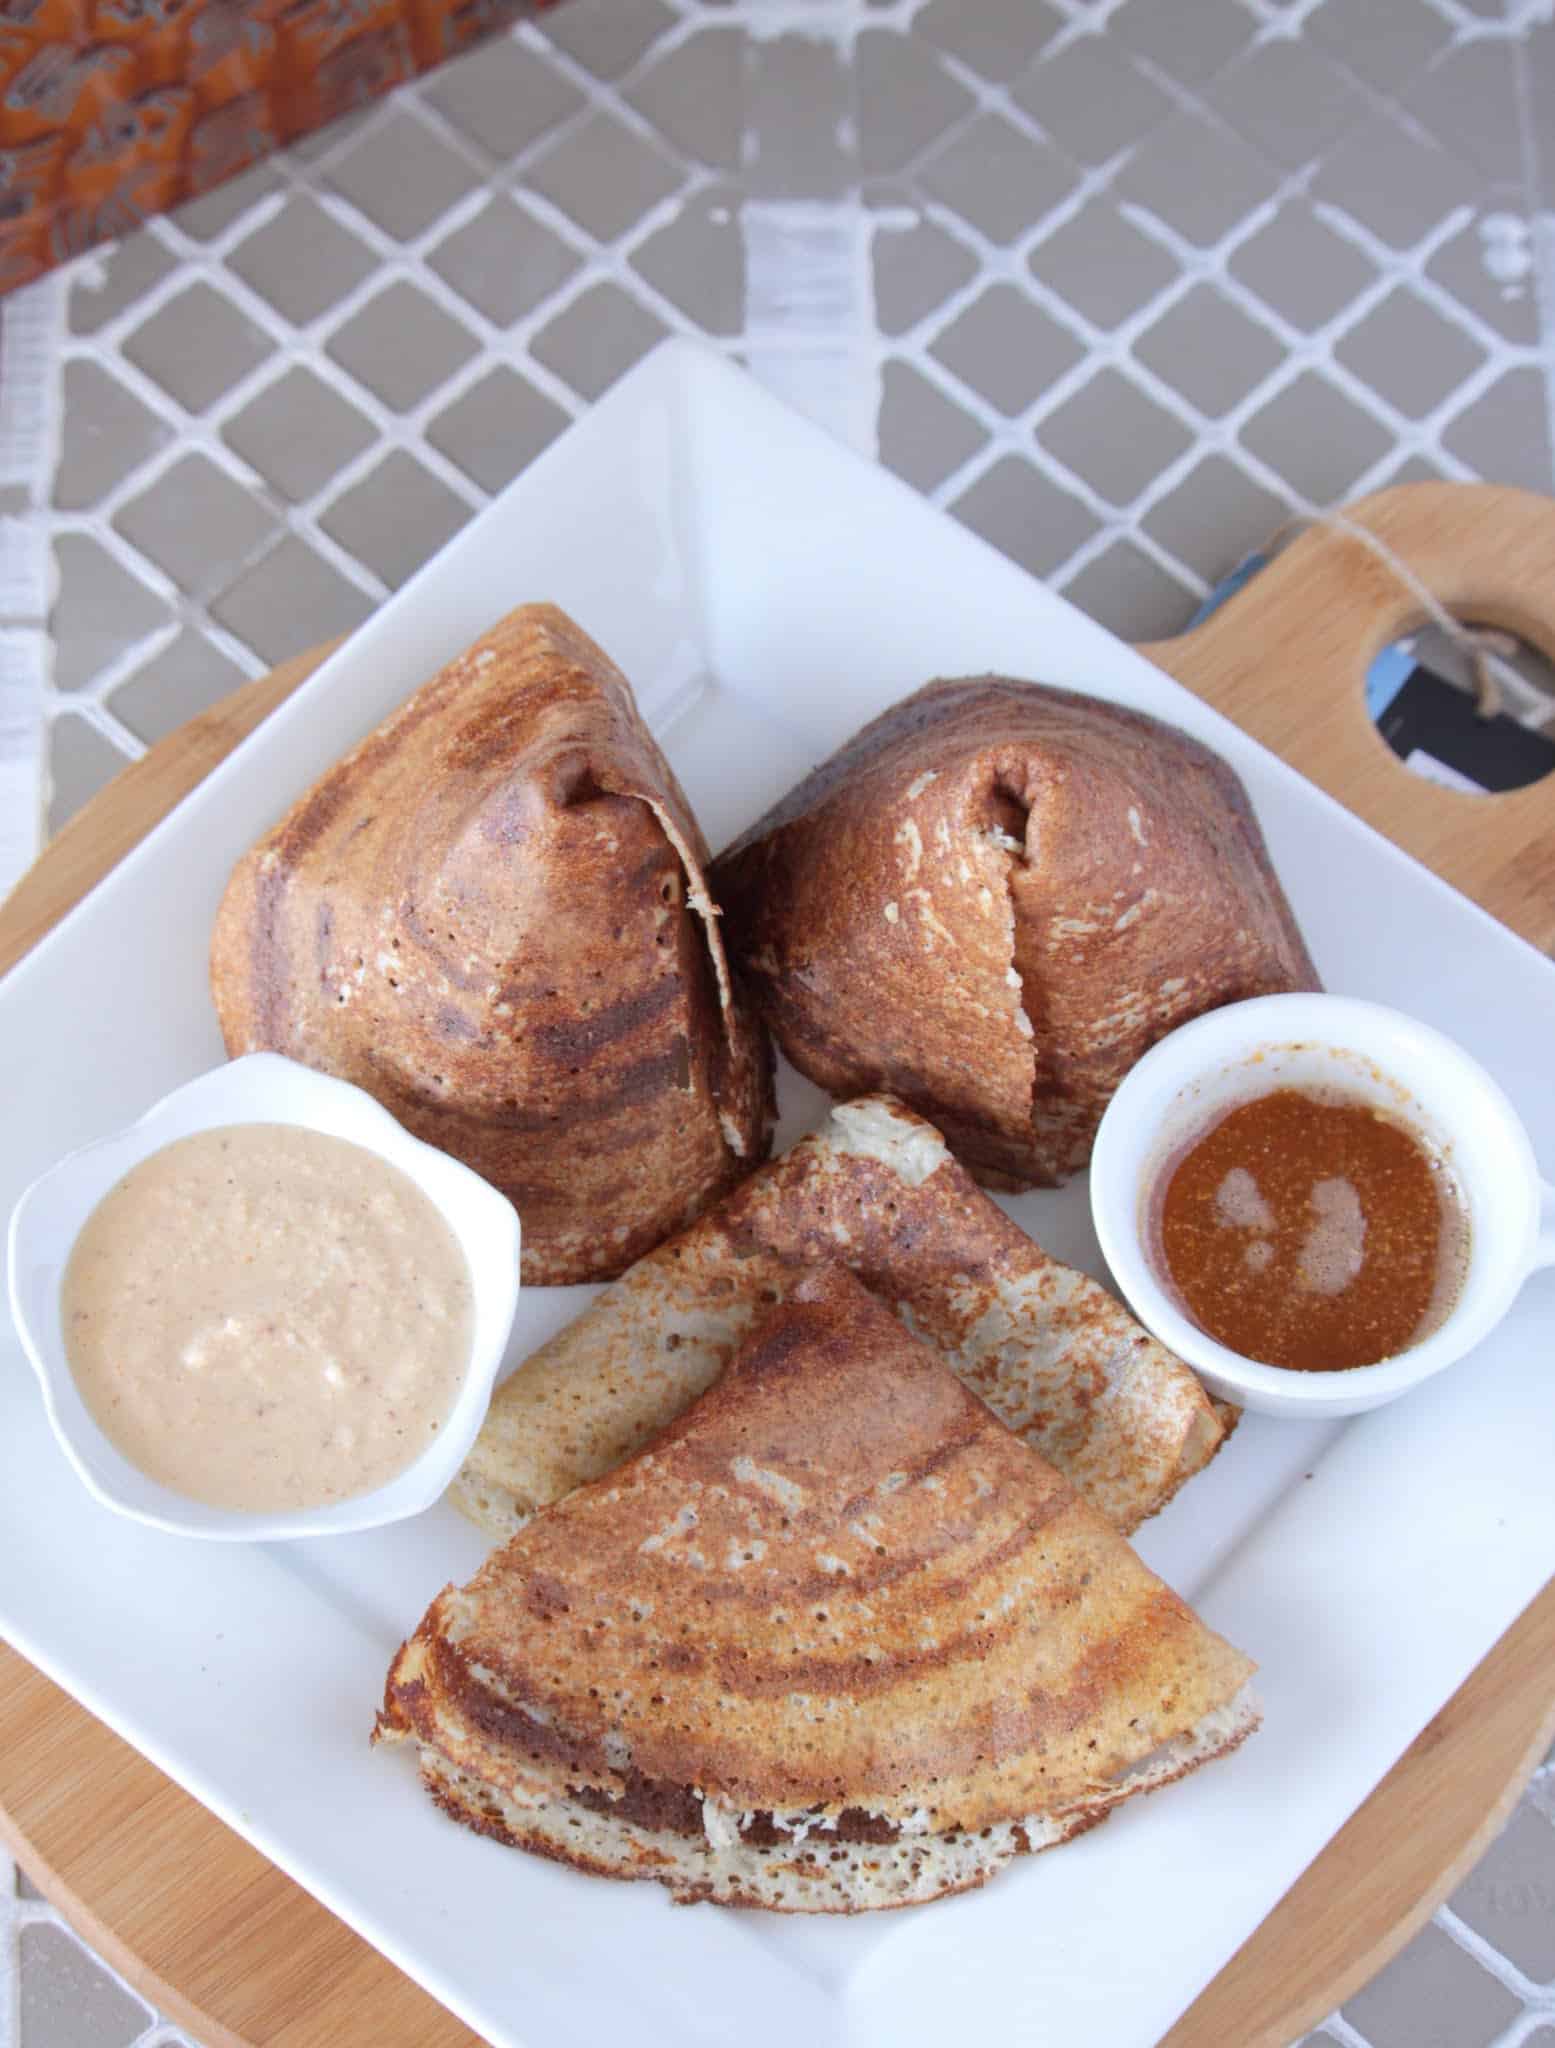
{"x":1113,"y":437}
{"x":597,"y":339}
{"x":70,"y":1986}
{"x":1131,"y":594}
{"x":1537,"y":68}
{"x":1468,"y":101}
{"x":1006,"y":349}
{"x":1189,"y":44}
{"x":606,"y":38}
{"x":1197,"y":178}
{"x":196,"y":346}
{"x":697,"y":261}
{"x":196,"y":522}
{"x":906,"y":99}
{"x":694,"y":96}
{"x":1408,"y":351}
{"x":101,"y":291}
{"x":1025,"y":514}
{"x":1209,"y":351}
{"x":100,"y":611}
{"x":1215,"y":517}
{"x":401,"y":345}
{"x":918,"y":265}
{"x":302,"y":261}
{"x":997,"y":177}
{"x":1102,"y":265}
{"x":1510,"y":1898}
{"x":1488,"y":268}
{"x":923,"y":436}
{"x":330,"y":142}
{"x":997,"y":37}
{"x":402,"y":176}
{"x":1392,"y":180}
{"x":81,"y":761}
{"x":1287,"y":100}
{"x":504,"y":262}
{"x":209,"y":217}
{"x":1505,"y":433}
{"x":1316,"y":438}
{"x":1045,"y":257}
{"x":502,"y":98}
{"x":1093,"y":99}
{"x":175,"y":685}
{"x":289,"y":602}
{"x":1384,"y":42}
{"x":604,"y":176}
{"x":396,"y":518}
{"x":298,"y":433}
{"x":106,"y":433}
{"x":1435,"y":1996}
{"x":496,"y":427}
{"x":1301,"y":268}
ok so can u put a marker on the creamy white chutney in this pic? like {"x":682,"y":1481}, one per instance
{"x":263,"y":1317}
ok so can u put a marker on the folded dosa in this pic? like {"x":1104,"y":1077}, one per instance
{"x":835,"y":1640}
{"x":493,"y":916}
{"x":1054,"y":1355}
{"x":992,"y":901}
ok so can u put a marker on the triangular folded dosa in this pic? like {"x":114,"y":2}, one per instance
{"x":492,"y":915}
{"x":835,"y":1640}
{"x":1054,"y":1355}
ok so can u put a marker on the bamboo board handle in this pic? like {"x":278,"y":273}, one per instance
{"x":121,"y":814}
{"x":1287,"y":656}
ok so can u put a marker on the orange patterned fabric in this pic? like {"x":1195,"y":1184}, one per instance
{"x":112,"y":110}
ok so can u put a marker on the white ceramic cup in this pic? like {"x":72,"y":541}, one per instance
{"x":261,"y":1088}
{"x":1371,"y":1054}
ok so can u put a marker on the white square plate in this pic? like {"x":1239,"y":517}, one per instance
{"x":768,"y":592}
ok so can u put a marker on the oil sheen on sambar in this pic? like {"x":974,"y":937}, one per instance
{"x":264,"y":1318}
{"x":1312,"y":1231}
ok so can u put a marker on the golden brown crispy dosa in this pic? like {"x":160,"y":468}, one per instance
{"x":492,"y":915}
{"x":1052,"y":1353}
{"x":992,"y":901}
{"x":836,"y":1639}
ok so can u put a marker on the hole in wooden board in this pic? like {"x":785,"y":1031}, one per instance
{"x":1421,"y":695}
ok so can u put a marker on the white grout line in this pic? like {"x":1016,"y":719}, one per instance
{"x":809,"y":323}
{"x":1340,"y":2030}
{"x":810,"y":332}
{"x":1300,"y":352}
{"x":1538,"y":164}
{"x":804,"y":351}
{"x":1536,"y":1998}
{"x":10,"y":1957}
{"x":29,"y":447}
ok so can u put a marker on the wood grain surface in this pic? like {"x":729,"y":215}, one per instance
{"x":1287,"y":659}
{"x":226,"y":1945}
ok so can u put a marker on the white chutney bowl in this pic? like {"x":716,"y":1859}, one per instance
{"x":261,"y":1088}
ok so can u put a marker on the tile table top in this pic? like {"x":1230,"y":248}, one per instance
{"x":1121,"y":286}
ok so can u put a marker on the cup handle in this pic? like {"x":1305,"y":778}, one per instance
{"x":1544,"y":1250}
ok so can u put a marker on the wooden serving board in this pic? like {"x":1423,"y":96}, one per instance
{"x":226,"y":1945}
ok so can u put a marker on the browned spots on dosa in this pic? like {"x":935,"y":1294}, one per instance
{"x":1041,"y":1343}
{"x":836,"y":1581}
